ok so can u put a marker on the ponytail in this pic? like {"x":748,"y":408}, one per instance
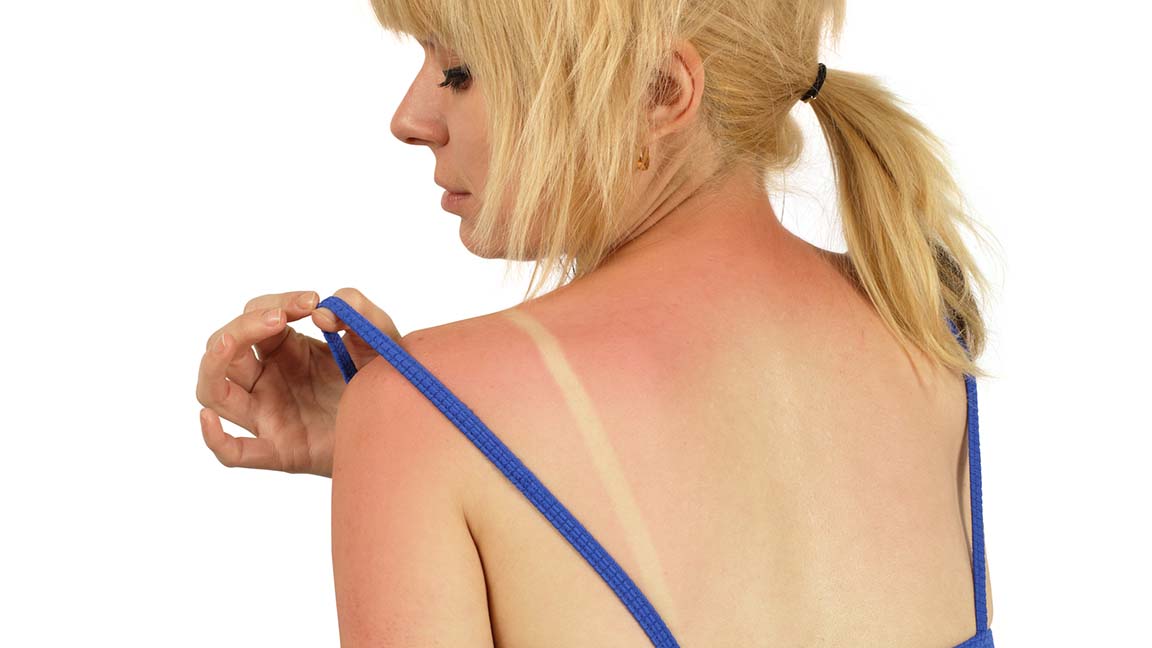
{"x":902,"y":212}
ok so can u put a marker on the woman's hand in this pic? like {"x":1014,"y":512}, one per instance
{"x":285,"y":393}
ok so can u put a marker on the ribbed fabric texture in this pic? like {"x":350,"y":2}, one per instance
{"x":563,"y":520}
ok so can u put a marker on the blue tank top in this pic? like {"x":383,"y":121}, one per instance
{"x":567,"y":524}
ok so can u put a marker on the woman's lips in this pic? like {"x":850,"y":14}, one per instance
{"x":451,"y":199}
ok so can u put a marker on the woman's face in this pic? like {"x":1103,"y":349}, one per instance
{"x":451,"y":121}
{"x":444,"y":110}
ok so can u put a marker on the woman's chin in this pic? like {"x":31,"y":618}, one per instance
{"x":477,"y":248}
{"x":471,"y":244}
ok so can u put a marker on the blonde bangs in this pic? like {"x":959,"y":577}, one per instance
{"x":423,"y":19}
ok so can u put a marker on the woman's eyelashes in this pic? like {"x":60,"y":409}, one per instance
{"x":456,"y":78}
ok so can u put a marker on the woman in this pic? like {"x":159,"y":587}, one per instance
{"x":768,"y":439}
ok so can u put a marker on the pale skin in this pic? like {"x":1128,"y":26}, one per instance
{"x":719,"y":383}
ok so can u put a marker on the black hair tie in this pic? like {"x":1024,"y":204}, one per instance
{"x":815,"y":89}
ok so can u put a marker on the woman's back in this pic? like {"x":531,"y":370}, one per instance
{"x":741,"y":433}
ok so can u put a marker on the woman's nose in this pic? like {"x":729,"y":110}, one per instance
{"x":417,"y":119}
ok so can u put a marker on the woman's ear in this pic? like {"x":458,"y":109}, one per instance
{"x":677,"y":92}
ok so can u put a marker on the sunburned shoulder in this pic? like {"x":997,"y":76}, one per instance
{"x":465,"y":349}
{"x":462,"y":355}
{"x":480,"y":361}
{"x":500,"y":343}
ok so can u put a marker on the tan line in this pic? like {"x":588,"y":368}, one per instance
{"x":605,"y":461}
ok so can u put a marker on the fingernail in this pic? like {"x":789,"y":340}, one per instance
{"x":272,"y":316}
{"x":305,"y":301}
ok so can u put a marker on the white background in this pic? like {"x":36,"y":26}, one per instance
{"x":161,"y":163}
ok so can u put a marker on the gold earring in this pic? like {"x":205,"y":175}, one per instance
{"x":642,"y":163}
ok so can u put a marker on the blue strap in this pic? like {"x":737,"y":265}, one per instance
{"x":979,"y":583}
{"x":505,"y":460}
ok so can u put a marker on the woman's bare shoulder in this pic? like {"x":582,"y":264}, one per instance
{"x":467,"y":349}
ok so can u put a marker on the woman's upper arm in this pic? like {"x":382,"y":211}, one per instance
{"x":407,"y":572}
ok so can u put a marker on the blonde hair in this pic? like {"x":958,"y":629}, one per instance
{"x":568,"y":86}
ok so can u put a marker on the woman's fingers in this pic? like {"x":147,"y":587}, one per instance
{"x":291,"y":306}
{"x":214,"y":390}
{"x":228,"y":373}
{"x":230,"y":368}
{"x":236,"y":452}
{"x":298,"y":302}
{"x":244,"y":369}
